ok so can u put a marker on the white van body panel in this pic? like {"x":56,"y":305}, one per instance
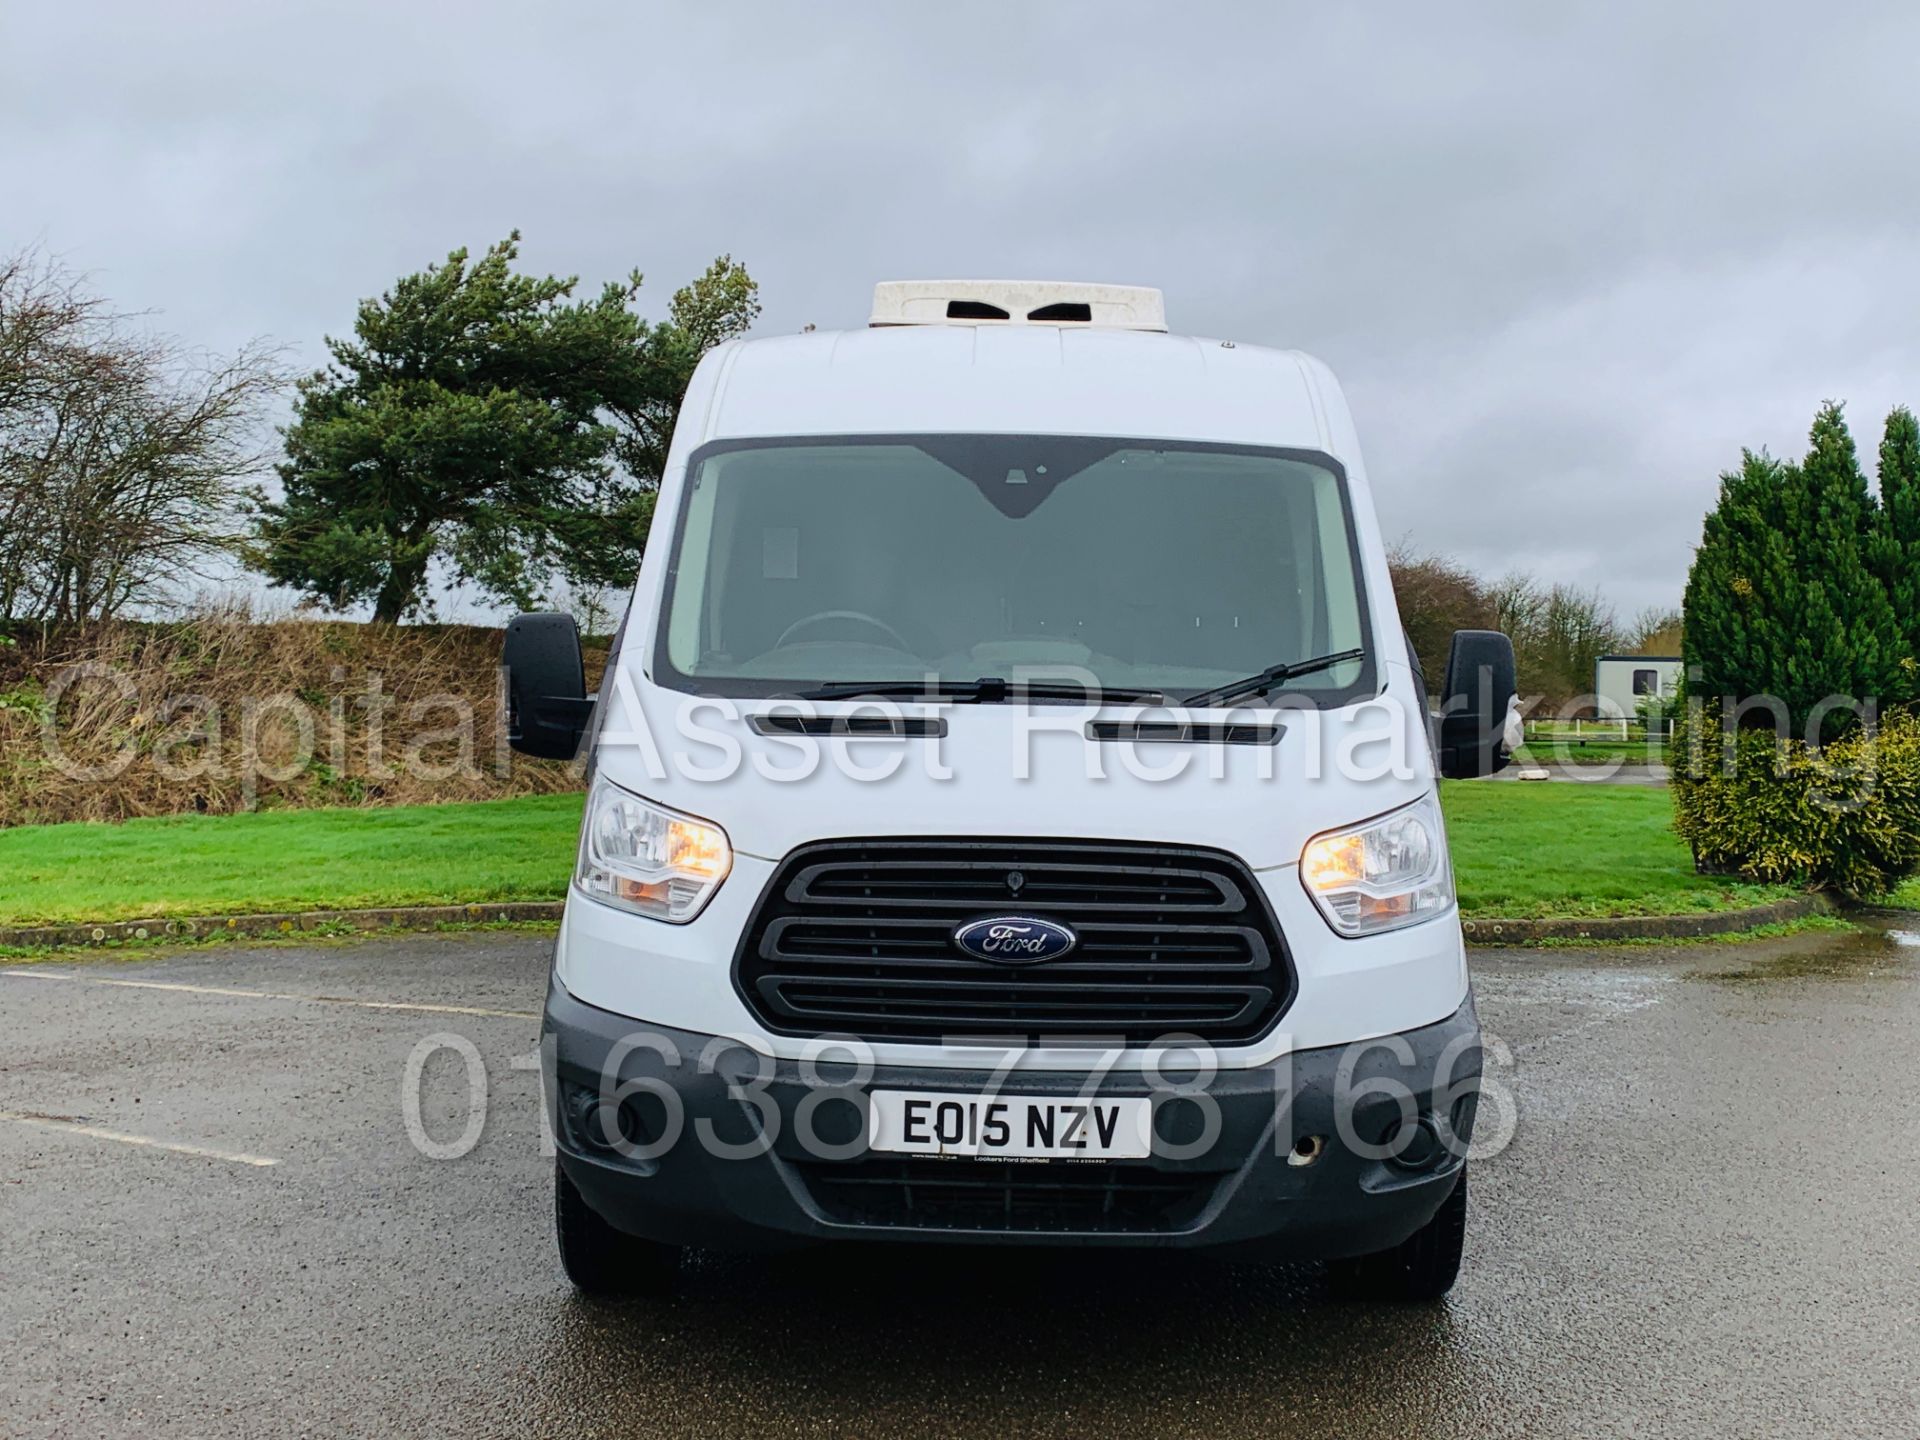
{"x":1329,"y":769}
{"x":1027,"y":380}
{"x":1014,"y":771}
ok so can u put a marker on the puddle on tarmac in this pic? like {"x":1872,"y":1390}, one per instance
{"x":1874,"y":949}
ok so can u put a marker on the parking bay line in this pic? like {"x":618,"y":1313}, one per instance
{"x":76,"y":1127}
{"x":272,"y":995}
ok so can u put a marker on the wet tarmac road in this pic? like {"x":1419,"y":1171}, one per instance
{"x":1708,"y":1221}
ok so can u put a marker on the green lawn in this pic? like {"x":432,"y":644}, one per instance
{"x":1519,"y":851}
{"x":289,"y":860}
{"x":1907,"y":897}
{"x":1562,"y":848}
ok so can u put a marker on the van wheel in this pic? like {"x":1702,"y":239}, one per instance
{"x":1421,"y":1267}
{"x":601,"y":1260}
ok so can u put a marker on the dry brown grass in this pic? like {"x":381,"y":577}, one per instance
{"x":220,"y":714}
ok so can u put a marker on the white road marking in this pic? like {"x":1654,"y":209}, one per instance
{"x":37,"y":974}
{"x":75,"y":1127}
{"x":1598,"y":998}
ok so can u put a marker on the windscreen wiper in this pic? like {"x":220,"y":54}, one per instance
{"x":987,"y":690}
{"x":1271,"y":678}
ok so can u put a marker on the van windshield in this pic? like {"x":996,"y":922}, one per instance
{"x":1122,"y":564}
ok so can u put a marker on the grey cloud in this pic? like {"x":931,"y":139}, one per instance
{"x":1567,"y":262}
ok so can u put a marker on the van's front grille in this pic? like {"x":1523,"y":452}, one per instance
{"x":1057,"y":1197}
{"x":856,"y":938}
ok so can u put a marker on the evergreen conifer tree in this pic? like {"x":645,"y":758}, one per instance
{"x":1900,"y":537}
{"x":1742,"y":592}
{"x":1848,"y":642}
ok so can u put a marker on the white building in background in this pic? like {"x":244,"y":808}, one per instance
{"x":1621,"y":682}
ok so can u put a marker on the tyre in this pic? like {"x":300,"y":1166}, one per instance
{"x":601,"y":1260}
{"x":1421,"y":1267}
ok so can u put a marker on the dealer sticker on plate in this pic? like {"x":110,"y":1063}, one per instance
{"x":1012,"y":1127}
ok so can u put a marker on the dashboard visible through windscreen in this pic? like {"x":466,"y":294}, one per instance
{"x":1152,"y":565}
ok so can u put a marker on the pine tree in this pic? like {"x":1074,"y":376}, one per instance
{"x":1900,"y":536}
{"x":1788,"y":595}
{"x":1742,"y":593}
{"x":1849,"y":643}
{"x":491,"y":421}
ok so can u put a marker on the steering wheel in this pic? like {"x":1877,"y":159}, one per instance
{"x":860,"y":616}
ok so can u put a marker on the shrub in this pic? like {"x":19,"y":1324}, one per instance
{"x":1843,"y":817}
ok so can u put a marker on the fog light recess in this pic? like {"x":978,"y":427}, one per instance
{"x":1416,"y":1146}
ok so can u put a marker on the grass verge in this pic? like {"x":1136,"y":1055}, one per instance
{"x":1520,"y":852}
{"x":318,"y":937}
{"x":1785,"y":929}
{"x":286,"y":860}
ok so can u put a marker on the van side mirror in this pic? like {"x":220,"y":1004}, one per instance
{"x":1474,"y":703}
{"x":547,"y":702}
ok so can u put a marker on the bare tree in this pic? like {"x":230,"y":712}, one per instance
{"x":40,"y":313}
{"x":1656,"y":630}
{"x":1437,"y":596}
{"x":1558,"y":632}
{"x":121,"y":453}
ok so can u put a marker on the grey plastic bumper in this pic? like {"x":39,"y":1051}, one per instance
{"x":1254,"y":1195}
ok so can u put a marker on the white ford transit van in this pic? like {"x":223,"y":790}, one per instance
{"x":1012,"y":814}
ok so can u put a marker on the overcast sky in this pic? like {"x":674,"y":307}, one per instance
{"x":1566,"y":267}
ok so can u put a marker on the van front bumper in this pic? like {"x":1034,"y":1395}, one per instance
{"x":733,"y":1150}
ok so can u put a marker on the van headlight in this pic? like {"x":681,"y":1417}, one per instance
{"x":639,"y":857}
{"x":1381,"y":875}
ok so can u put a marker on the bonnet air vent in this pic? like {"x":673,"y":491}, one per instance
{"x":1061,"y":312}
{"x":853,"y":727}
{"x":1177,"y":732}
{"x":975,"y":310}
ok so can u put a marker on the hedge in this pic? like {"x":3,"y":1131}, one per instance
{"x":1843,"y":817}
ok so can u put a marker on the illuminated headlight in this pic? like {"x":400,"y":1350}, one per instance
{"x":651,"y":861}
{"x":1379,"y":876}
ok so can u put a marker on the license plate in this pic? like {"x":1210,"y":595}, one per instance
{"x":1013,"y":1127}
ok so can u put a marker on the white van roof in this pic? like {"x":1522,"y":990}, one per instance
{"x":1032,"y":377}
